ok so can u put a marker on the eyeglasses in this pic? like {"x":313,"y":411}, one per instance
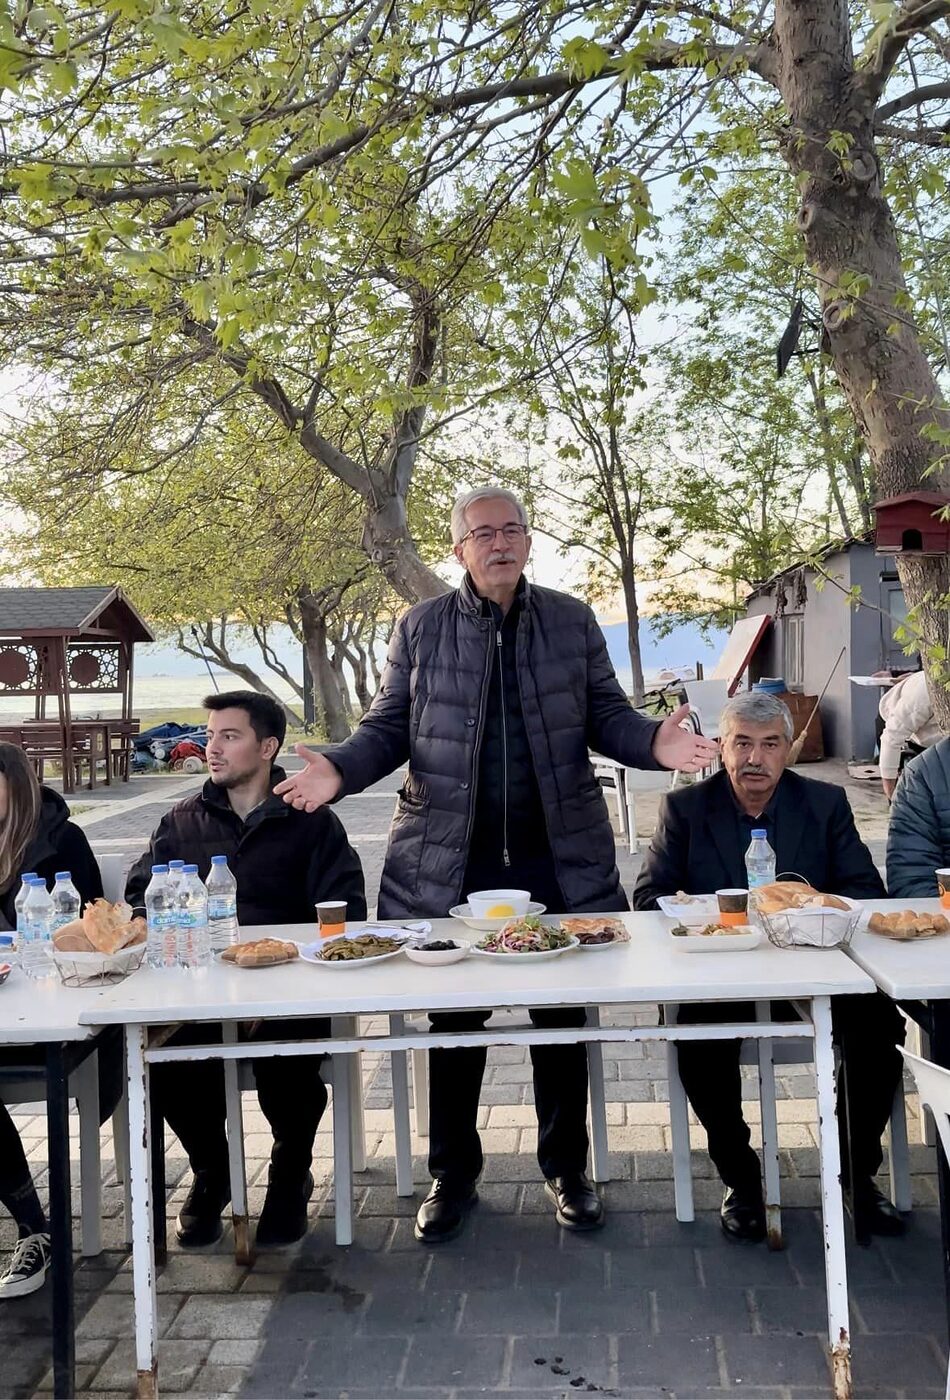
{"x":484,"y":534}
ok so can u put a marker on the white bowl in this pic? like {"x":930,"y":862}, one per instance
{"x":516,"y":902}
{"x":737,"y":939}
{"x":463,"y":912}
{"x":442,"y":957}
{"x":702,"y":911}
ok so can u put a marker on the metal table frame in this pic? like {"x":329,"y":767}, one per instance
{"x":145,"y":1046}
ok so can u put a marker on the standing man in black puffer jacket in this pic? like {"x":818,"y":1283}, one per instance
{"x":284,"y":862}
{"x":494,"y":693}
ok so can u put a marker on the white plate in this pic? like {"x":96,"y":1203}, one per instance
{"x":309,"y":952}
{"x":741,"y":940}
{"x":703,"y":910}
{"x":443,"y":957}
{"x":462,"y":911}
{"x":524,"y":957}
{"x":602,"y":947}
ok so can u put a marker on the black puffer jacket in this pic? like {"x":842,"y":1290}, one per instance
{"x":918,"y":838}
{"x":57,"y":845}
{"x":430,"y":712}
{"x":284,"y":861}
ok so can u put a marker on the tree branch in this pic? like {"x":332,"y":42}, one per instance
{"x":883,"y":51}
{"x":932,"y":92}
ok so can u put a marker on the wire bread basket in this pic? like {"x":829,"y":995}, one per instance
{"x":812,"y":927}
{"x":102,"y":969}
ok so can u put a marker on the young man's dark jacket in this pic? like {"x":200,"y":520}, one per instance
{"x":284,"y":861}
{"x":57,"y":845}
{"x":701,"y":839}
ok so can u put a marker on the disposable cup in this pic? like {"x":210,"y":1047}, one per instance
{"x":943,"y":885}
{"x":331,"y":916}
{"x":733,"y":907}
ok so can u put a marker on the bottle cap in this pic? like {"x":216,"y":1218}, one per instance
{"x":27,"y":876}
{"x":189,"y":870}
{"x":37,"y":880}
{"x":159,"y":869}
{"x":219,"y":860}
{"x":759,"y":831}
{"x":176,"y":865}
{"x":63,"y":875}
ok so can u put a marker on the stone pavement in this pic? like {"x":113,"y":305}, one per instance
{"x":515,"y":1307}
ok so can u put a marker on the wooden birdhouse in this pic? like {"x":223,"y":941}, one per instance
{"x":913,"y":524}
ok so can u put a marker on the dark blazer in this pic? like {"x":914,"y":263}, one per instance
{"x":697,"y":846}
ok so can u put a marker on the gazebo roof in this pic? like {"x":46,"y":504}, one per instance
{"x":102,"y":613}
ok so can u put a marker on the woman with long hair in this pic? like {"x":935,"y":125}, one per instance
{"x":36,"y":836}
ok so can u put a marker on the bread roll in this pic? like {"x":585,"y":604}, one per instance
{"x":71,"y":938}
{"x":791,"y":894}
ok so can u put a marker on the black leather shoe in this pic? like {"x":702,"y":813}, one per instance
{"x":199,"y":1220}
{"x":874,"y":1214}
{"x":577,"y":1204}
{"x":442,"y":1213}
{"x":284,"y":1215}
{"x":742,"y":1215}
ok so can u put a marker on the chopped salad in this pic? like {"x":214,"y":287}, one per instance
{"x":527,"y":935}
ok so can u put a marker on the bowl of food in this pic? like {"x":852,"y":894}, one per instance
{"x":5,"y":970}
{"x":526,"y":938}
{"x":689,"y":909}
{"x":464,"y":913}
{"x":499,"y":904}
{"x":715,"y":938}
{"x":796,"y":915}
{"x":105,"y":945}
{"x":438,"y":952}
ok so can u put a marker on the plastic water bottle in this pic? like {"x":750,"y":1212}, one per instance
{"x":222,"y":904}
{"x":759,"y":860}
{"x":20,"y":900}
{"x":194,"y":937}
{"x":36,"y":954}
{"x":175,"y":867}
{"x":161,"y":948}
{"x":66,"y":900}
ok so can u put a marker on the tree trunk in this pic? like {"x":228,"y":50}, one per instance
{"x":388,"y":543}
{"x":629,"y":581}
{"x":851,"y":246}
{"x":327,"y":693}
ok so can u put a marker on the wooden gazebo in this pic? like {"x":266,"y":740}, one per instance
{"x":57,"y":643}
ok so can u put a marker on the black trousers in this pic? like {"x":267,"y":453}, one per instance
{"x":867,"y":1030}
{"x":560,"y":1097}
{"x":17,"y":1193}
{"x":290,"y":1091}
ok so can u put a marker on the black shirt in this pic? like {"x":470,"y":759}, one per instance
{"x":746,"y":824}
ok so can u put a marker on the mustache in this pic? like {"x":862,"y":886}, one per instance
{"x":752,"y":769}
{"x":502,"y":556}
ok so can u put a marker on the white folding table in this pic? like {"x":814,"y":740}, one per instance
{"x":45,"y":1014}
{"x":649,"y":969}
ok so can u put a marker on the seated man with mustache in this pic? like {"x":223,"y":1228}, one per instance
{"x":699,"y":845}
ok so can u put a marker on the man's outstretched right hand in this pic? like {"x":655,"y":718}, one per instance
{"x":316,"y":784}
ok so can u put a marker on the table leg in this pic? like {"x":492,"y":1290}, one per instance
{"x":773,"y":1199}
{"x":236,"y":1164}
{"x":159,"y":1197}
{"x":61,"y":1223}
{"x":342,"y":1151}
{"x":832,"y":1206}
{"x":940,"y":1054}
{"x":143,"y":1262}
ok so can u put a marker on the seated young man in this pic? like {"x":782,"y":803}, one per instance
{"x":284,"y":861}
{"x":918,"y":838}
{"x":699,"y":845}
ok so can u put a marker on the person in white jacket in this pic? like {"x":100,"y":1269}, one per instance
{"x":907,"y":712}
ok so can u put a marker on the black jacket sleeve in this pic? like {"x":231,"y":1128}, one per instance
{"x":614,"y":727}
{"x":380,"y":742}
{"x":856,"y":876}
{"x":665,"y":865}
{"x":76,"y":854}
{"x":335,"y":871}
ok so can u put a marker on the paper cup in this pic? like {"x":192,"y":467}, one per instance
{"x":733,"y":907}
{"x":331,"y":917}
{"x":943,"y":885}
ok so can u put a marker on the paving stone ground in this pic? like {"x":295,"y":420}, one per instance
{"x":515,"y":1307}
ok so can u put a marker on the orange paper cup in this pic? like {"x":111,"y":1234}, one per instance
{"x":733,"y":907}
{"x":943,"y":885}
{"x":331,"y":916}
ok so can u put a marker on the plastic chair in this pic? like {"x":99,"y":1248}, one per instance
{"x":933,"y":1086}
{"x":766,"y":1054}
{"x":619,"y":778}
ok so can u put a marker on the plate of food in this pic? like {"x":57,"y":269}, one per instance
{"x":525,"y":938}
{"x":715,"y":938}
{"x":905,"y":925}
{"x":463,"y":912}
{"x":261,"y":952}
{"x":685,"y":908}
{"x":5,"y":970}
{"x":594,"y":933}
{"x":355,"y":949}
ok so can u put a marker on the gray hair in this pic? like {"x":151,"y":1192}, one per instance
{"x":755,"y":707}
{"x":483,"y":493}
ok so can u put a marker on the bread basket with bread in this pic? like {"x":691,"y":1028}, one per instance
{"x":796,"y":915}
{"x":105,"y":945}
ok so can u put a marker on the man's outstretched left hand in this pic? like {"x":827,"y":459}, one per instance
{"x":682,"y":749}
